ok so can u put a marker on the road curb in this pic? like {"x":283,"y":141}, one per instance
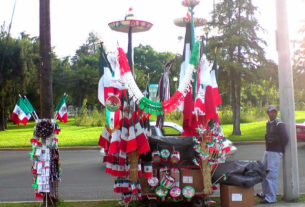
{"x":98,"y":147}
{"x":248,"y":142}
{"x":60,"y":148}
{"x":70,"y":201}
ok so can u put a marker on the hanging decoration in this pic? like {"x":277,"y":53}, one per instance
{"x":144,"y":103}
{"x":123,"y":138}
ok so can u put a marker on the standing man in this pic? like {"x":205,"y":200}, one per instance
{"x":276,"y":140}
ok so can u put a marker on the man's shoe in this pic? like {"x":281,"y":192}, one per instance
{"x":265,"y":202}
{"x":260,"y":195}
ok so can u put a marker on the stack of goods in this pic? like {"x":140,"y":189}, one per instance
{"x":167,"y":180}
{"x":45,"y":157}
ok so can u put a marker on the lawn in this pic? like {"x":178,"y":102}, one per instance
{"x":72,"y":135}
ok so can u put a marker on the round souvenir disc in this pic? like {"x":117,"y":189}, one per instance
{"x":188,"y":192}
{"x":161,"y":192}
{"x":153,"y":182}
{"x":113,"y":103}
{"x":175,"y":192}
{"x":165,"y":153}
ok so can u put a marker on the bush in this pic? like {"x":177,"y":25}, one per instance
{"x":225,"y":116}
{"x":84,"y":118}
{"x":247,"y":114}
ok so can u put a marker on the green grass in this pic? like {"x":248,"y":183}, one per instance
{"x":72,"y":135}
{"x":255,"y":131}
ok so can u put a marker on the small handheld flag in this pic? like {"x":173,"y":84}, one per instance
{"x":30,"y":107}
{"x":61,"y":110}
{"x":21,"y":113}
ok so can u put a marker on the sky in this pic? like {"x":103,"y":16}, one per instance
{"x":73,"y":20}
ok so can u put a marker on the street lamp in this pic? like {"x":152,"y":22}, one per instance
{"x":175,"y":79}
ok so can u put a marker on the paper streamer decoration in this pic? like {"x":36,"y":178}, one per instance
{"x":149,"y":106}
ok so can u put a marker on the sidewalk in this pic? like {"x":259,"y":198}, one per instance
{"x":281,"y":205}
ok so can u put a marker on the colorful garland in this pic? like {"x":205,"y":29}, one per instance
{"x":158,"y":108}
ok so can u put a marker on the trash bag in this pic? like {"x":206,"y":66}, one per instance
{"x":240,"y":173}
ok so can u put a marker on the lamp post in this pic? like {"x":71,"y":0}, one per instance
{"x":175,"y":79}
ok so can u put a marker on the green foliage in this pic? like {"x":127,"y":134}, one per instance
{"x":239,"y":48}
{"x":248,"y":115}
{"x":148,"y":61}
{"x":84,"y":118}
{"x":18,"y":71}
{"x":298,"y":67}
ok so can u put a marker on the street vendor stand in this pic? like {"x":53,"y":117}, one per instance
{"x":158,"y":168}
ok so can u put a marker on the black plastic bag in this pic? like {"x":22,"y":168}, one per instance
{"x":240,"y":173}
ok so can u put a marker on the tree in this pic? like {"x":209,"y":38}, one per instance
{"x":148,"y":61}
{"x":84,"y":72}
{"x":239,"y":47}
{"x":46,"y":91}
{"x":11,"y":78}
{"x":298,"y":68}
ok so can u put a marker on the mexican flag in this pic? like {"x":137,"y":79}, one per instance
{"x":21,"y":113}
{"x":61,"y":110}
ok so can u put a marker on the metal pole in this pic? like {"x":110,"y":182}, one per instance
{"x":130,"y":51}
{"x":290,"y":160}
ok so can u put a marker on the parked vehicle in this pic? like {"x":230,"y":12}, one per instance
{"x":172,"y":129}
{"x":300,"y":129}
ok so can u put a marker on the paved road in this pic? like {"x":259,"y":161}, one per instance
{"x":83,"y":175}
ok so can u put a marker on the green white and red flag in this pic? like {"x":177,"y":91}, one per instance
{"x":21,"y":113}
{"x":61,"y":110}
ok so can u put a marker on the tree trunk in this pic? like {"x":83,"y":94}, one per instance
{"x":237,"y":130}
{"x":235,"y":97}
{"x":46,"y":93}
{"x":2,"y":116}
{"x":237,"y":88}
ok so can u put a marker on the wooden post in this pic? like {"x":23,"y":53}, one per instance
{"x":46,"y":91}
{"x":206,"y":169}
{"x":134,"y":159}
{"x":290,"y":160}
